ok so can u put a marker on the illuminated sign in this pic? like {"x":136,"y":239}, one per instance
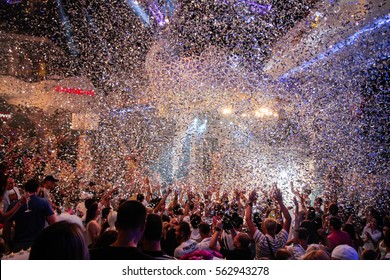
{"x":75,"y":91}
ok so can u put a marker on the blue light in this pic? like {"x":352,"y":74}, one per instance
{"x":139,"y":11}
{"x":67,"y":27}
{"x":349,"y":41}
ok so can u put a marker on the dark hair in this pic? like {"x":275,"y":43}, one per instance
{"x":386,"y":239}
{"x":105,"y":212}
{"x":369,"y":254}
{"x":195,"y":220}
{"x":60,"y":241}
{"x":313,"y":237}
{"x":31,"y":186}
{"x":349,"y":228}
{"x":303,"y":234}
{"x":106,"y":239}
{"x":89,"y":201}
{"x":131,"y":215}
{"x":185,"y":228}
{"x":204,"y":228}
{"x":3,"y":184}
{"x":91,"y":212}
{"x":244,"y":240}
{"x":153,"y":228}
{"x":311,"y":213}
{"x":165,"y":218}
{"x":140,"y":197}
{"x":282,"y":254}
{"x":335,"y":223}
{"x":333,"y":209}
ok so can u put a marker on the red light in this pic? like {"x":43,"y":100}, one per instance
{"x":75,"y":91}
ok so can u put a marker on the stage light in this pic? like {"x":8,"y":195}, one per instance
{"x":227,"y":111}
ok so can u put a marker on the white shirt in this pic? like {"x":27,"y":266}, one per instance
{"x":186,"y":247}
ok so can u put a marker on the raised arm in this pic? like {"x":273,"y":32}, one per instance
{"x":248,"y":213}
{"x":287,"y":218}
{"x":213,"y":245}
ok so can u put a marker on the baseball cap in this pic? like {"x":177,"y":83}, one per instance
{"x":344,"y":252}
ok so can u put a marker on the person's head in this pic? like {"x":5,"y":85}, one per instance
{"x":348,"y":228}
{"x":270,"y":226}
{"x":204,"y":229}
{"x":195,"y":220}
{"x":283,"y":254}
{"x":335,"y":223}
{"x":237,"y":221}
{"x":369,"y":254}
{"x":106,"y":239}
{"x":111,"y":219}
{"x":333,"y":209}
{"x":311,"y":214}
{"x":241,"y":240}
{"x":318,"y":202}
{"x":60,"y":241}
{"x":9,"y":183}
{"x":183,"y":231}
{"x":386,"y":240}
{"x":49,"y":182}
{"x":303,"y":234}
{"x":31,"y":186}
{"x":316,"y":255}
{"x":88,"y":202}
{"x":344,"y":252}
{"x":153,"y":228}
{"x":131,"y":216}
{"x":92,"y":212}
{"x":105,"y":212}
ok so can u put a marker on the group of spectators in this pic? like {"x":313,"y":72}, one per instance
{"x":176,"y":223}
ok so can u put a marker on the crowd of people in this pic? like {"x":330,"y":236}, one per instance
{"x":165,"y":222}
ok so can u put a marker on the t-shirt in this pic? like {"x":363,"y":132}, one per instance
{"x":29,"y":224}
{"x":118,"y":253}
{"x":205,"y":244}
{"x":339,"y":237}
{"x":186,"y":247}
{"x":262,"y":248}
{"x":296,"y":251}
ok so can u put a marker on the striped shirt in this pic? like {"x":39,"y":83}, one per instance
{"x":262,"y":248}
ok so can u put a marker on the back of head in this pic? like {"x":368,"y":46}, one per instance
{"x":283,"y":254}
{"x":244,"y":240}
{"x":344,"y":252}
{"x":369,"y":254}
{"x":195,"y":220}
{"x":335,"y":223}
{"x":237,"y":221}
{"x":333,"y":209}
{"x":91,"y":212}
{"x":31,"y":186}
{"x":270,"y":225}
{"x":316,"y":255}
{"x":131,"y":215}
{"x":111,"y":219}
{"x":303,"y":234}
{"x":185,"y":229}
{"x":204,"y":228}
{"x":106,"y":239}
{"x":60,"y":241}
{"x":105,"y":212}
{"x":153,"y":228}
